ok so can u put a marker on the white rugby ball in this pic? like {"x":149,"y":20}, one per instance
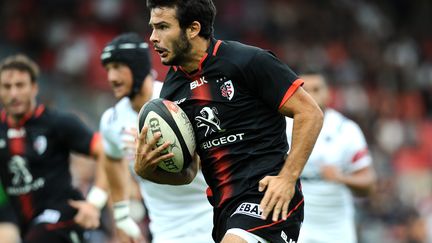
{"x":166,"y":117}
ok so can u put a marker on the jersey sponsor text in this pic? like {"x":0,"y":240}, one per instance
{"x":222,"y":141}
{"x":250,"y":209}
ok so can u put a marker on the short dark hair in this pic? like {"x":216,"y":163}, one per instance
{"x":21,"y":62}
{"x":314,"y":71}
{"x":188,"y":11}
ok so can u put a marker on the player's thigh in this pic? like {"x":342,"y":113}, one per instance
{"x":9,"y":233}
{"x":241,"y":236}
{"x":231,"y":238}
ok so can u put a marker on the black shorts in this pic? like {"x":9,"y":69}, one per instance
{"x":7,"y":214}
{"x":65,"y":230}
{"x":243,"y":213}
{"x":61,"y":232}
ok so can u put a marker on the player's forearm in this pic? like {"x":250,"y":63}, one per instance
{"x":101,"y":179}
{"x":118,"y":176}
{"x":360,"y":183}
{"x":98,"y":194}
{"x":163,"y":177}
{"x":306,"y":128}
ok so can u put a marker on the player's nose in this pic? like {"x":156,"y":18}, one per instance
{"x":153,"y":37}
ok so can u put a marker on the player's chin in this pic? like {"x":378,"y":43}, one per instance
{"x":16,"y":110}
{"x":119,"y":93}
{"x":166,"y":60}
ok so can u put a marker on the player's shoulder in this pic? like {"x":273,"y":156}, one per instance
{"x":227,"y":47}
{"x":114,"y":113}
{"x":157,"y":87}
{"x":57,"y":116}
{"x":237,"y":52}
{"x":346,"y":125}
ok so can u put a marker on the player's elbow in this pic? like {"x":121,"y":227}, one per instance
{"x":369,"y":184}
{"x":316,"y":115}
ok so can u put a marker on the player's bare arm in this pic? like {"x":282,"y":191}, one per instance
{"x":88,"y":215}
{"x":360,"y":182}
{"x":119,"y":178}
{"x":147,"y":160}
{"x":308,"y":119}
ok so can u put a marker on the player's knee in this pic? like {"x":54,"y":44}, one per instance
{"x":9,"y":233}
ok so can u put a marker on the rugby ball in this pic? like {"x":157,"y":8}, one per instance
{"x":166,"y":117}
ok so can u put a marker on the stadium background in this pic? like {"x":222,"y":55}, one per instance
{"x":377,"y":54}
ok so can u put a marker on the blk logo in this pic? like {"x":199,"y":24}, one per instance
{"x":197,"y":83}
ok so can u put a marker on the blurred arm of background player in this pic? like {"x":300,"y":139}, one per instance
{"x":88,"y":215}
{"x":120,"y":182}
{"x":360,"y":181}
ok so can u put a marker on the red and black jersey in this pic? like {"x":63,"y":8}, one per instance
{"x":232,"y":101}
{"x":34,"y":159}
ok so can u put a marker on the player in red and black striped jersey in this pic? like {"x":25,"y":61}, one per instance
{"x":236,"y":97}
{"x":35,"y":143}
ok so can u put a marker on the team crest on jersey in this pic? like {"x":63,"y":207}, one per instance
{"x":227,"y":90}
{"x":209,"y":120}
{"x":40,"y":144}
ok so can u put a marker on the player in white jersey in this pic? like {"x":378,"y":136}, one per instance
{"x":177,"y":213}
{"x":338,"y":165}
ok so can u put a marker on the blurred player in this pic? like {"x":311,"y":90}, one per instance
{"x":177,"y":214}
{"x":35,"y":143}
{"x":339,"y":164}
{"x":236,"y":97}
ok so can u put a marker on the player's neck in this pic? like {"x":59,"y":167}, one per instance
{"x":16,"y":119}
{"x":198,"y":51}
{"x":138,"y":101}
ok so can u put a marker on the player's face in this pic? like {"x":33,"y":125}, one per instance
{"x":120,"y":78}
{"x":169,"y":39}
{"x":315,"y":85}
{"x":17,"y":92}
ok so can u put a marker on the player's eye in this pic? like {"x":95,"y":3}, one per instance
{"x":162,"y":27}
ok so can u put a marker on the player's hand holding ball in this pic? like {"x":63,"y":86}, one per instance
{"x":166,"y":139}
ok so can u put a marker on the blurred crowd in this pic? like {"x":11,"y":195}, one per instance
{"x":377,"y":55}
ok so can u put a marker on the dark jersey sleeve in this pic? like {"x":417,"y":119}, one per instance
{"x":74,"y":133}
{"x":270,"y":79}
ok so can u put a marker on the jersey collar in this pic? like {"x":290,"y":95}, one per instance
{"x":34,"y":113}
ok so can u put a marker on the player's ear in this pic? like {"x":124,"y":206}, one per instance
{"x":35,"y":88}
{"x":193,"y":30}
